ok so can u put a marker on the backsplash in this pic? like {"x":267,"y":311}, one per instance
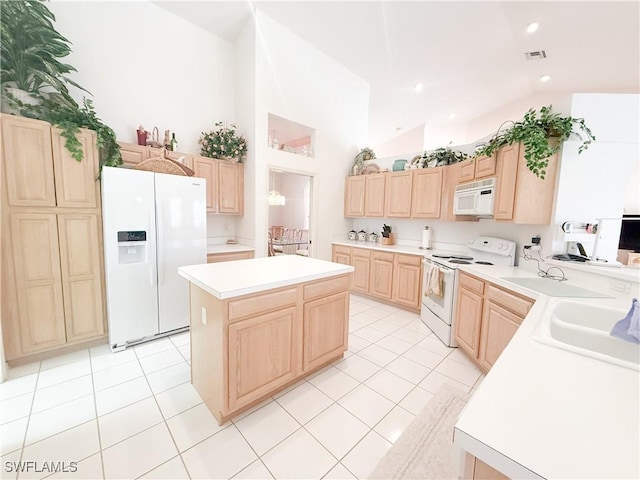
{"x":220,"y":228}
{"x":458,"y":233}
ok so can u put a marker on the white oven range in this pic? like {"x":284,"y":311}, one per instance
{"x":438,"y":312}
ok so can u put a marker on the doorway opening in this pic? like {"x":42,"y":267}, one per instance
{"x":289,"y":213}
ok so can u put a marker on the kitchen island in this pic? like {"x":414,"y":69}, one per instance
{"x":259,"y":325}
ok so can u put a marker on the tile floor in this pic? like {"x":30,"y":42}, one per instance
{"x":134,"y":414}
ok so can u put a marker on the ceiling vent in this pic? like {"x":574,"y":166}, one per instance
{"x":537,"y":55}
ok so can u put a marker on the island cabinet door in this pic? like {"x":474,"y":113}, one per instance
{"x":326,"y":329}
{"x":263,"y":354}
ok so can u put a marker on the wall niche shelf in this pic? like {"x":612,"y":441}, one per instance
{"x":289,"y":136}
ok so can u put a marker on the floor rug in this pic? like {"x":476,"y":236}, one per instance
{"x":425,"y":449}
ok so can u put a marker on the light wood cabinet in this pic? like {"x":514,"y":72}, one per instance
{"x":81,"y":275}
{"x":341,"y":254}
{"x":52,"y":265}
{"x":228,"y":256}
{"x":381,"y":275}
{"x":361,"y":261}
{"x":398,"y":194}
{"x":230,"y":188}
{"x":133,"y":154}
{"x":272,"y":336}
{"x":487,"y":317}
{"x":76,"y":180}
{"x":407,"y":279}
{"x":469,"y":315}
{"x":427,"y":193}
{"x":477,"y":168}
{"x":28,"y":162}
{"x":38,"y":280}
{"x":394,"y":277}
{"x":354,"y":191}
{"x":326,"y":330}
{"x":225,"y":184}
{"x":522,"y":197}
{"x":374,"y":195}
{"x":244,"y":349}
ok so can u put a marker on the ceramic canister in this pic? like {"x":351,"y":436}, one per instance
{"x":362,"y":236}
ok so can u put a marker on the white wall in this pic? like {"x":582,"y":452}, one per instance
{"x":221,"y":228}
{"x":296,"y":189}
{"x":146,"y":66}
{"x":410,"y":141}
{"x":297,"y":82}
{"x":593,"y":185}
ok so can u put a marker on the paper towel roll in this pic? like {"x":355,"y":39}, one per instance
{"x":426,"y":238}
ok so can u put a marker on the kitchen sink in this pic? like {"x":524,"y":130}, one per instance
{"x":584,"y":329}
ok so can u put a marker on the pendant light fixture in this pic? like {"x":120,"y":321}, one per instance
{"x":275,"y":198}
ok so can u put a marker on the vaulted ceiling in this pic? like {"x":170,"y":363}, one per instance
{"x":469,"y":56}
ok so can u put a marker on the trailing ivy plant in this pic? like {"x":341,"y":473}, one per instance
{"x":30,"y":53}
{"x":542,"y":135}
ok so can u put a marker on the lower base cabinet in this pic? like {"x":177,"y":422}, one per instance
{"x":487,"y":318}
{"x":393,"y":277}
{"x":262,"y":355}
{"x":228,"y":256}
{"x":246,"y":348}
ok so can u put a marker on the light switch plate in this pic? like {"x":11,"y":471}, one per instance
{"x":204,"y":316}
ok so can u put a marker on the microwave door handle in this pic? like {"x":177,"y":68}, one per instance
{"x":476,"y":201}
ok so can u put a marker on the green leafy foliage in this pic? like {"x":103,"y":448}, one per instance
{"x":223,"y":142}
{"x":542,"y":134}
{"x":442,"y":156}
{"x":30,"y":49}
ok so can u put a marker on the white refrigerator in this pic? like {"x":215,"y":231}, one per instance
{"x":153,"y":223}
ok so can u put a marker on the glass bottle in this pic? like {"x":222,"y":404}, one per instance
{"x":174,"y":143}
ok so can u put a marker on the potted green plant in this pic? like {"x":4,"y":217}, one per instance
{"x":542,"y":134}
{"x":442,"y":156}
{"x":224,"y":143}
{"x":34,"y":81}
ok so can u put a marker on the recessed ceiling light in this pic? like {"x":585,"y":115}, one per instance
{"x":545,"y":78}
{"x":418,"y":87}
{"x":532,"y":27}
{"x":452,"y":116}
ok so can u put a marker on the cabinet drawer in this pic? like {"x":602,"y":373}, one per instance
{"x":342,"y":249}
{"x":388,"y":257}
{"x":409,"y":259}
{"x":326,"y":287}
{"x":509,"y":300}
{"x":471,"y":283}
{"x":361,"y":252}
{"x":262,"y":303}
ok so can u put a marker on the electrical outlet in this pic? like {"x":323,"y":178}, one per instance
{"x":226,"y":227}
{"x":536,"y":240}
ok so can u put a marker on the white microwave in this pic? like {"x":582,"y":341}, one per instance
{"x":475,"y":198}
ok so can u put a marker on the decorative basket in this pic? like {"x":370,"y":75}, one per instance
{"x":164,"y":165}
{"x":388,"y":240}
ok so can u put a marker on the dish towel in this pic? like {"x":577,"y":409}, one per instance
{"x":629,"y":327}
{"x":434,"y":282}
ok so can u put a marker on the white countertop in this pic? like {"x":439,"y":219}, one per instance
{"x":228,"y":248}
{"x":406,"y":249}
{"x":233,"y":279}
{"x":546,"y":412}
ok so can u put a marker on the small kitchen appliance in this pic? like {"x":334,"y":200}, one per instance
{"x":475,"y":198}
{"x":437,"y":312}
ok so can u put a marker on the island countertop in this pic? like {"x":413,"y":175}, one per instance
{"x":242,"y":277}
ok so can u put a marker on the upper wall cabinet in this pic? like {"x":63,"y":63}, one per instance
{"x":476,"y":168}
{"x":225,"y":184}
{"x":427,"y":192}
{"x":364,"y":195}
{"x":398,"y":194}
{"x":522,"y":197}
{"x":43,"y":172}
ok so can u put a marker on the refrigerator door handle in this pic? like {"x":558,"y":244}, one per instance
{"x":160,"y":244}
{"x":152,"y":266}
